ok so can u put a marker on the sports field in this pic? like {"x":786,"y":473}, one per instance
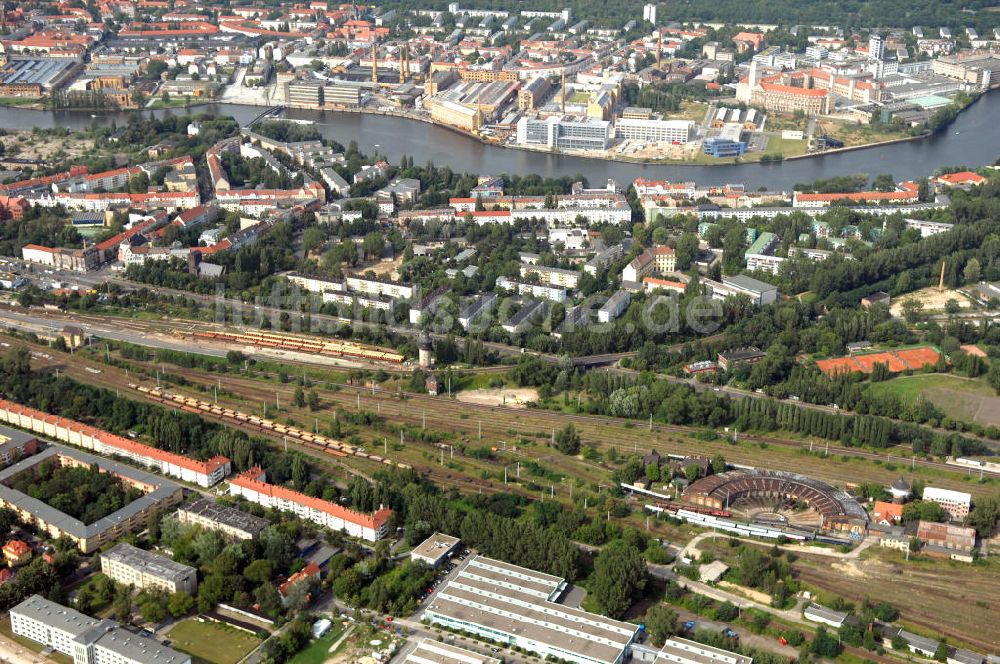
{"x":898,"y":360}
{"x":961,"y":398}
{"x":212,"y":642}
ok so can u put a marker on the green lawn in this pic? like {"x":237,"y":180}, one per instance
{"x":959,"y":397}
{"x":212,"y":642}
{"x":318,"y":650}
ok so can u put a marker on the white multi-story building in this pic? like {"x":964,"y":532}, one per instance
{"x":552,"y":275}
{"x":684,"y":651}
{"x":553,"y":293}
{"x":252,"y":485}
{"x":614,"y":307}
{"x":655,"y":131}
{"x":133,"y":566}
{"x":380,"y":287}
{"x":955,"y":503}
{"x":87,"y":640}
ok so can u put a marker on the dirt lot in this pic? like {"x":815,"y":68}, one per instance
{"x":507,"y":396}
{"x":932,"y":299}
{"x":24,"y":144}
{"x":384,"y":269}
{"x":953,"y":599}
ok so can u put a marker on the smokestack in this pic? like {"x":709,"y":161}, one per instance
{"x":375,"y":63}
{"x":562,"y":101}
{"x":941,"y":281}
{"x":404,"y":63}
{"x":659,"y":50}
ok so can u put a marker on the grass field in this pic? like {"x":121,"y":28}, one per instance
{"x":212,"y":642}
{"x":961,"y":398}
{"x":318,"y":650}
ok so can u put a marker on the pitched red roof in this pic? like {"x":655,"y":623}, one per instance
{"x":251,"y":480}
{"x":120,"y":442}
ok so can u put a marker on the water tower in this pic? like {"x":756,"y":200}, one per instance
{"x":425,"y":347}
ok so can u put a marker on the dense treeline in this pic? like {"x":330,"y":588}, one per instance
{"x":846,"y":13}
{"x":644,"y":395}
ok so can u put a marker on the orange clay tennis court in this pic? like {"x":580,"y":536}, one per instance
{"x":898,"y":360}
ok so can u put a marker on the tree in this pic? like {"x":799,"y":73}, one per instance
{"x":568,"y":440}
{"x":971,"y":273}
{"x":718,"y":464}
{"x":313,"y":400}
{"x":941,"y":654}
{"x":180,"y":604}
{"x":300,"y":398}
{"x":259,"y":571}
{"x":661,"y":621}
{"x":686,"y":250}
{"x":122,"y":605}
{"x":619,"y":576}
{"x":727,"y":612}
{"x":139,"y":183}
{"x":913,"y":310}
{"x":884,"y":182}
{"x":825,"y":644}
{"x":153,"y":609}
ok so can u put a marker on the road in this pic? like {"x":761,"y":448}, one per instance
{"x":691,"y":550}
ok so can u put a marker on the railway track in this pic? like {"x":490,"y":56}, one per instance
{"x":441,"y":404}
{"x":259,"y":424}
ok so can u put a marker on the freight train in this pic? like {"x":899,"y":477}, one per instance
{"x":311,"y":440}
{"x":301,"y":344}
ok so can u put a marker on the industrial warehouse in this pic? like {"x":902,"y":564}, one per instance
{"x":520,"y":607}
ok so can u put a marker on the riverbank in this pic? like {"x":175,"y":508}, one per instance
{"x":756,"y":158}
{"x":971,"y":141}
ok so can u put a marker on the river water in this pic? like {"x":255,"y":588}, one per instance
{"x":973,"y":140}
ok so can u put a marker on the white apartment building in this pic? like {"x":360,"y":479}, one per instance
{"x":553,"y":293}
{"x":87,"y":640}
{"x":552,"y":275}
{"x":133,"y":566}
{"x":379,"y":287}
{"x":614,"y":307}
{"x":253,"y":486}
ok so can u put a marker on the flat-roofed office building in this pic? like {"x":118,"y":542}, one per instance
{"x":429,"y":651}
{"x":519,"y":607}
{"x":227,"y":520}
{"x":133,"y":566}
{"x":87,"y":640}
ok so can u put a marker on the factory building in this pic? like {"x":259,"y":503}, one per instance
{"x":520,"y":607}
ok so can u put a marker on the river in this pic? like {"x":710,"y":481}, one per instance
{"x":973,"y":140}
